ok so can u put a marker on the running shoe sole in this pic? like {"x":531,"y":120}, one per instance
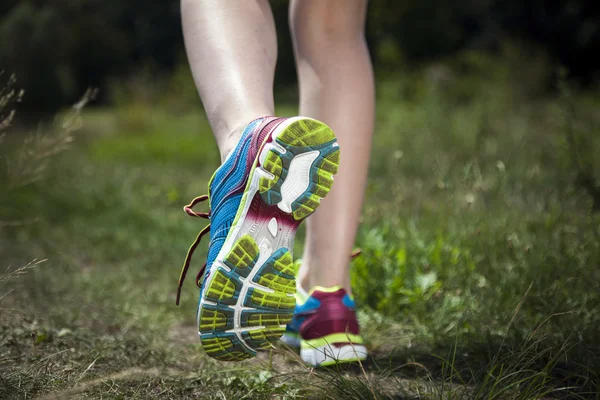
{"x":248,"y":297}
{"x":333,"y":349}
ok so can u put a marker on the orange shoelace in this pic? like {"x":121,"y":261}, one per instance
{"x":188,"y":258}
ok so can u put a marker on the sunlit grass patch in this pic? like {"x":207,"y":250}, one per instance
{"x":160,"y":138}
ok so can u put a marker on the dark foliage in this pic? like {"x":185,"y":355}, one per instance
{"x":59,"y":48}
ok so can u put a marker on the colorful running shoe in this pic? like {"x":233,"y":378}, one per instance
{"x":292,"y":337}
{"x":328,"y":328}
{"x":273,"y":179}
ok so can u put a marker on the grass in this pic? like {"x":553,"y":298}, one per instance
{"x":479,"y":276}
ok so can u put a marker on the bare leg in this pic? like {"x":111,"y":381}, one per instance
{"x":232,"y":50}
{"x":336,"y":87}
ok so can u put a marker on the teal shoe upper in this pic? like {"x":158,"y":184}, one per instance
{"x":226,"y":189}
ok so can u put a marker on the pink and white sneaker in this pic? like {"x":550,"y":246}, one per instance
{"x":326,"y":328}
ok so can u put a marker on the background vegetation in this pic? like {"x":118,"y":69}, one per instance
{"x":62,"y":47}
{"x":480,"y":272}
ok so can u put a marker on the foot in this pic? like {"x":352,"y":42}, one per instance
{"x":291,"y":337}
{"x":326,"y":329}
{"x":274,"y":179}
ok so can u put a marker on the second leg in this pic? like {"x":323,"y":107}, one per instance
{"x":336,"y":87}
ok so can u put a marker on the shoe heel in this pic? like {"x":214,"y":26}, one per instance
{"x":236,"y":317}
{"x":297,"y":166}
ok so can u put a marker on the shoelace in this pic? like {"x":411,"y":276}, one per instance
{"x":188,"y":258}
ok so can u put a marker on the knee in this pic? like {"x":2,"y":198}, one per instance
{"x":323,"y":23}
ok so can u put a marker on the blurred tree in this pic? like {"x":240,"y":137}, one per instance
{"x":32,"y":47}
{"x":58,"y":48}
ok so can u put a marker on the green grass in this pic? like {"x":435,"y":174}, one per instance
{"x":479,"y":278}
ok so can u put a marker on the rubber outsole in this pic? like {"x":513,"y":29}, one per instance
{"x":326,"y":351}
{"x":332,"y":354}
{"x":248,"y":294}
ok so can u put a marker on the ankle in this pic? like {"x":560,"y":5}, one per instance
{"x":229,"y":136}
{"x":306,"y":283}
{"x":303,"y":278}
{"x":230,"y":141}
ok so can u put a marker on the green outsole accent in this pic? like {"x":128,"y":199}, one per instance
{"x":278,"y":274}
{"x":221,"y":288}
{"x":321,"y":181}
{"x":331,"y":339}
{"x":270,"y":310}
{"x":307,"y":207}
{"x":277,"y":283}
{"x":306,"y":132}
{"x":268,"y":319}
{"x":263,"y":338}
{"x":266,"y":335}
{"x":225,"y":347}
{"x":273,"y":165}
{"x":213,"y":320}
{"x":235,"y":356}
{"x":272,"y":327}
{"x":300,"y":137}
{"x":242,"y":256}
{"x":216,"y":345}
{"x":285,"y":265}
{"x":276,"y":300}
{"x":331,"y":163}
